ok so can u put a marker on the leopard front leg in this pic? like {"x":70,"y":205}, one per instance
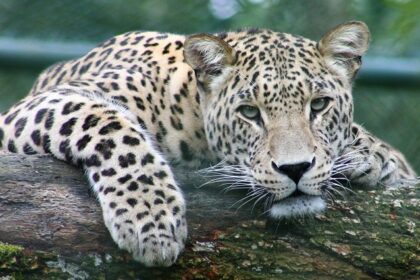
{"x":371,"y":162}
{"x":143,"y":208}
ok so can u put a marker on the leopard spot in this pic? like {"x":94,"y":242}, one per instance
{"x":67,"y":127}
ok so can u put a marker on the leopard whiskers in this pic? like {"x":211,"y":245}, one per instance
{"x":236,"y":177}
{"x":268,"y":204}
{"x":338,"y":183}
{"x":261,"y":198}
{"x":254,"y":194}
{"x":328,"y":194}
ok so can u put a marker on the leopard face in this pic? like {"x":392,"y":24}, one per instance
{"x":279,"y":108}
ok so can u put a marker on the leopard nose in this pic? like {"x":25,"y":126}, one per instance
{"x":294,"y":171}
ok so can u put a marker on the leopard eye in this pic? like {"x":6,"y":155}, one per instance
{"x":319,"y":104}
{"x":249,"y":112}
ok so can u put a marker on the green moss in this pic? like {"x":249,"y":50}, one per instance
{"x":14,"y":261}
{"x":8,"y":250}
{"x":10,"y":255}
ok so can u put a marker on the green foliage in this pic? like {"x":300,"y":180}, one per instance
{"x":14,"y":84}
{"x":393,"y":22}
{"x":393,"y":114}
{"x":406,"y":22}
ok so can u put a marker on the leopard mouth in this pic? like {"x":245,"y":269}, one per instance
{"x":298,"y":204}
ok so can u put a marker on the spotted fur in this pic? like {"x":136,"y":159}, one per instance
{"x":139,"y":100}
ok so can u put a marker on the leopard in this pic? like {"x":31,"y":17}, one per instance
{"x":270,"y":111}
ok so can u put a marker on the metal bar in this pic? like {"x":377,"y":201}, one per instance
{"x":32,"y":53}
{"x":385,"y":70}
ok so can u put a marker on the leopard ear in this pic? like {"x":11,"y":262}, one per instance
{"x":208,"y":55}
{"x":344,"y":46}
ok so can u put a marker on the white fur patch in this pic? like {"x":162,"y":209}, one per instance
{"x":350,"y":41}
{"x":297,"y":206}
{"x":221,"y":79}
{"x":212,"y":53}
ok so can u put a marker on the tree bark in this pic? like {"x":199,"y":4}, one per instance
{"x":55,"y":228}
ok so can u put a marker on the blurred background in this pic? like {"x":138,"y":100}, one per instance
{"x":34,"y":34}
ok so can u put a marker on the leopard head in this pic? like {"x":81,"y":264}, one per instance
{"x":277,"y":109}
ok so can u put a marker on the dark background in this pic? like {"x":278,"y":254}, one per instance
{"x":34,"y":34}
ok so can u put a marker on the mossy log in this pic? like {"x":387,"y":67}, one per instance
{"x":51,"y":228}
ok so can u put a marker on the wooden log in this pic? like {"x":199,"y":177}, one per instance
{"x":55,"y":226}
{"x":46,"y":204}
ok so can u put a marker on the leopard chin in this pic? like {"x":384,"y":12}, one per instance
{"x":299,"y":206}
